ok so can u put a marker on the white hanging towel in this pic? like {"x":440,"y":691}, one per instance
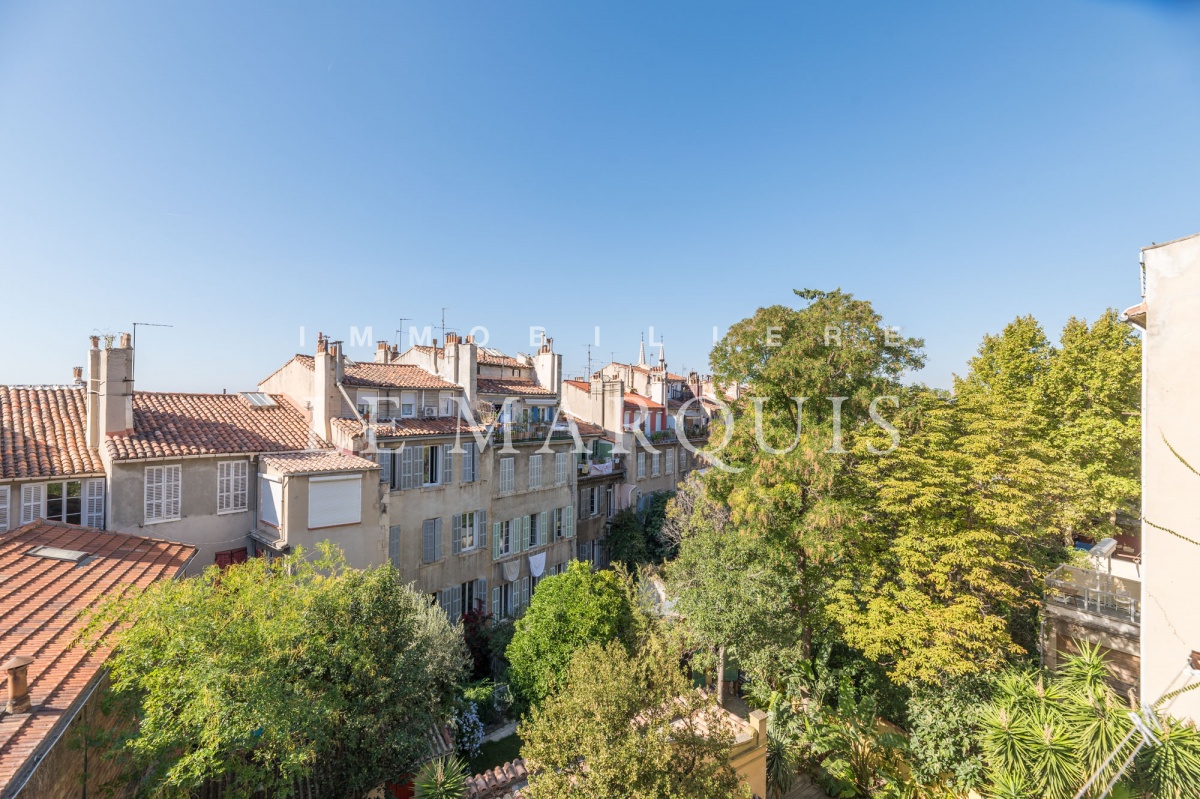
{"x":537,"y":564}
{"x":512,"y":570}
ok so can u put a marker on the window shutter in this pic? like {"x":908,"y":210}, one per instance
{"x":171,"y":496}
{"x":544,"y":530}
{"x":32,"y":497}
{"x":447,"y":464}
{"x":468,"y":463}
{"x":481,"y":529}
{"x":427,"y":538}
{"x":384,"y":458}
{"x":93,"y":507}
{"x":481,"y":592}
{"x":456,"y":608}
{"x":224,"y":486}
{"x":394,"y":545}
{"x":334,"y":501}
{"x":496,"y":541}
{"x":407,"y":467}
{"x":4,"y":492}
{"x":437,"y":539}
{"x":518,"y":535}
{"x":496,"y":601}
{"x":529,"y":542}
{"x":456,"y":533}
{"x":151,"y":495}
{"x":241,"y":485}
{"x":524,"y":592}
{"x":569,"y":521}
{"x":270,"y":498}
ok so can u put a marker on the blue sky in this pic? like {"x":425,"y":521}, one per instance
{"x":242,"y":171}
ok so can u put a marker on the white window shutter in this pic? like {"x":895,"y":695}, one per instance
{"x":224,"y":486}
{"x":32,"y":497}
{"x":173,"y":490}
{"x":4,"y":493}
{"x":93,"y":504}
{"x":456,"y":534}
{"x":447,"y":464}
{"x":154,"y":493}
{"x":241,"y":485}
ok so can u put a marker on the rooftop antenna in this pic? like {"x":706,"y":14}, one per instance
{"x":133,"y":357}
{"x":399,"y":330}
{"x":589,"y":371}
{"x":443,"y":327}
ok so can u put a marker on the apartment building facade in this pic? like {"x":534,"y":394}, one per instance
{"x":477,"y":479}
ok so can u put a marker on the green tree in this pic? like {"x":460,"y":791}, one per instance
{"x":624,"y":725}
{"x":569,"y":611}
{"x":815,"y":376}
{"x":270,"y":671}
{"x":635,"y":538}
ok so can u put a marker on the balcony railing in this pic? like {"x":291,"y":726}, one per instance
{"x":1095,"y":592}
{"x":530,"y":431}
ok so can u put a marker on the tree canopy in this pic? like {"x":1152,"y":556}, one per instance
{"x":271,"y":671}
{"x":624,"y":725}
{"x":569,"y":611}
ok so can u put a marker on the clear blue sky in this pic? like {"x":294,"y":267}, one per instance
{"x":242,"y":170}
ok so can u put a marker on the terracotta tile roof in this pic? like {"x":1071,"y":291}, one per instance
{"x":172,"y":425}
{"x":632,"y":399}
{"x":399,"y":428}
{"x":40,"y":599}
{"x":582,"y":385}
{"x":486,"y":358}
{"x":500,"y":782}
{"x":586,"y":429}
{"x":309,"y":462}
{"x":512,"y":387}
{"x":384,"y":375}
{"x":43,"y":433}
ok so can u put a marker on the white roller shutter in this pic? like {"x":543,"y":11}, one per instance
{"x":334,"y":501}
{"x":270,"y":498}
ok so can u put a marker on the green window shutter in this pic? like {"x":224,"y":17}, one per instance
{"x":496,"y":602}
{"x":496,"y":541}
{"x":569,"y":521}
{"x":456,"y":533}
{"x":529,"y":542}
{"x":447,"y":464}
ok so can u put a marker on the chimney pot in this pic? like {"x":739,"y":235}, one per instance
{"x":126,"y":341}
{"x":95,"y":342}
{"x":17,"y":669}
{"x":77,"y":371}
{"x":381,"y":346}
{"x":435,"y":343}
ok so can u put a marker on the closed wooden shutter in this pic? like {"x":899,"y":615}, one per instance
{"x":394,"y":545}
{"x":153,"y":494}
{"x":93,"y":504}
{"x":496,"y":541}
{"x":384,"y":458}
{"x":270,"y":502}
{"x":481,"y":592}
{"x":468,"y":463}
{"x":224,"y":488}
{"x":524,"y":592}
{"x":456,"y":533}
{"x":408,"y":468}
{"x":172,"y":491}
{"x":515,"y":528}
{"x":456,"y":604}
{"x":4,"y":493}
{"x":496,"y":602}
{"x":529,"y":540}
{"x":481,"y":529}
{"x":334,"y":501}
{"x":569,"y":521}
{"x":447,"y":464}
{"x":543,"y":528}
{"x":428,"y":540}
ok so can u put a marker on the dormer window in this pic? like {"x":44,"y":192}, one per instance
{"x":408,"y":404}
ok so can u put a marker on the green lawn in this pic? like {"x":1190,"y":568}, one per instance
{"x":496,"y":753}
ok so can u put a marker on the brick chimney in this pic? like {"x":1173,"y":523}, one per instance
{"x":327,"y":400}
{"x":17,"y":669}
{"x":114,"y":389}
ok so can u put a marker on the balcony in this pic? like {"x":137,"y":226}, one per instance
{"x":1096,"y":593}
{"x":530,"y":431}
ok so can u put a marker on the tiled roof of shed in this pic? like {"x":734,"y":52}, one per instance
{"x":384,"y":375}
{"x":512,"y":387}
{"x":43,"y":433}
{"x":173,"y":425}
{"x":40,"y":601}
{"x":309,"y":462}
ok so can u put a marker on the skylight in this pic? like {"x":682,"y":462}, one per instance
{"x":55,"y":553}
{"x":258,"y":399}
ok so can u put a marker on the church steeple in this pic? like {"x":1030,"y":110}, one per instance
{"x":662,"y":354}
{"x":642,"y":352}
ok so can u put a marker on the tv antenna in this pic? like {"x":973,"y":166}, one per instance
{"x":400,"y":330}
{"x":133,"y":357}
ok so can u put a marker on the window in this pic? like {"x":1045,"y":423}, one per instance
{"x":233,"y":480}
{"x":502,"y":539}
{"x":641,"y":465}
{"x":4,"y":492}
{"x":334,"y":501}
{"x":585,"y":552}
{"x":502,"y":601}
{"x":270,"y":502}
{"x":670,"y":461}
{"x":563,"y":522}
{"x":610,"y":506}
{"x":408,"y":404}
{"x":656,"y":464}
{"x":162,"y":491}
{"x":467,"y":530}
{"x":229,"y":557}
{"x":594,"y":501}
{"x":533,"y":530}
{"x":560,"y":467}
{"x":446,"y":403}
{"x":535,"y":471}
{"x":394,"y":546}
{"x":426,"y":466}
{"x":64,"y":502}
{"x":470,"y":463}
{"x":431,"y":540}
{"x":506,"y":475}
{"x":431,"y":465}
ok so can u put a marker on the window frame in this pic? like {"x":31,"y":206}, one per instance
{"x":231,"y":488}
{"x":164,"y":501}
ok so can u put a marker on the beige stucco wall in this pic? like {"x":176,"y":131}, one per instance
{"x":199,"y":524}
{"x":364,"y":544}
{"x":1171,"y":407}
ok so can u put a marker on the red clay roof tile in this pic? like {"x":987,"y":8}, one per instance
{"x":43,"y":433}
